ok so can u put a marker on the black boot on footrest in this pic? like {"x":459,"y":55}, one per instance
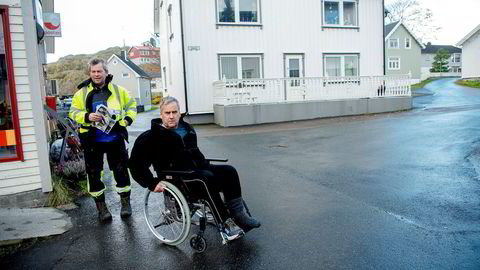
{"x":241,"y":218}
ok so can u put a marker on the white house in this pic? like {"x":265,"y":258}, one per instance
{"x":133,"y":78}
{"x":257,"y":42}
{"x":24,"y":162}
{"x":471,"y":54}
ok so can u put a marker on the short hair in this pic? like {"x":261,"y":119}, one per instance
{"x":96,"y":61}
{"x":167,"y":100}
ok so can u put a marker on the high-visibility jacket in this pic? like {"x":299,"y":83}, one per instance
{"x":119,"y":102}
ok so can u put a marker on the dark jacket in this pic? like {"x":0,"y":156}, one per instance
{"x":165,"y":150}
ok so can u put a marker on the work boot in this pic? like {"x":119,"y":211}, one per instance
{"x":103,"y":213}
{"x":126,"y":210}
{"x":244,"y":221}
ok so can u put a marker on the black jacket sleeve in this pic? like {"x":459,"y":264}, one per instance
{"x":140,"y":162}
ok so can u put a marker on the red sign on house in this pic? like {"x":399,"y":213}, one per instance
{"x":51,"y":24}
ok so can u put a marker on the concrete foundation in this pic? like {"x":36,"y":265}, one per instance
{"x":239,"y":115}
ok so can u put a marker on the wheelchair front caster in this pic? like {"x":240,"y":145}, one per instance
{"x":198,"y":243}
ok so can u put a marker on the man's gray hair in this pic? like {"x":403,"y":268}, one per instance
{"x":96,"y":61}
{"x":167,"y":100}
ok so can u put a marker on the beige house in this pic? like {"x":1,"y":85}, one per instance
{"x":133,"y":78}
{"x":24,"y":162}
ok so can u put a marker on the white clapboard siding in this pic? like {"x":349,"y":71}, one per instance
{"x":22,"y":106}
{"x":17,"y":189}
{"x":26,"y":123}
{"x":22,"y":88}
{"x":18,"y":165}
{"x":20,"y":176}
{"x":29,"y":147}
{"x":23,"y":97}
{"x":25,"y":114}
{"x":30,"y":155}
{"x":28,"y":139}
{"x":19,"y":55}
{"x":20,"y":71}
{"x":19,"y":173}
{"x":20,"y":63}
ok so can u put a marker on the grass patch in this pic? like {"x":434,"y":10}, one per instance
{"x":69,"y":182}
{"x":422,"y":83}
{"x":469,"y":83}
{"x":61,"y":194}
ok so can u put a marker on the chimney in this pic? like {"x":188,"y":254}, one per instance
{"x":123,"y":54}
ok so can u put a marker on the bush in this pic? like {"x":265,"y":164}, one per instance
{"x":69,"y":181}
{"x":469,"y":83}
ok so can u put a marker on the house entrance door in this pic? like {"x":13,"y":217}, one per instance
{"x":294,"y":85}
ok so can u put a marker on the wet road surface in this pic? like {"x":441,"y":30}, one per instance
{"x":389,"y":191}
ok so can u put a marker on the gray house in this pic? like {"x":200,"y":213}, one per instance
{"x":133,"y":78}
{"x":454,"y":63}
{"x":402,"y":51}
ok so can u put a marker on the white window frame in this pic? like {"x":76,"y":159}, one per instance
{"x":409,"y":43}
{"x":342,"y":63}
{"x":236,"y":4}
{"x":170,"y":28}
{"x":459,"y":57}
{"x":239,"y":64}
{"x":390,"y":43}
{"x":341,"y":14}
{"x":393,"y":64}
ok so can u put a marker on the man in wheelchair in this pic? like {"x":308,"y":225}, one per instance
{"x":171,"y":144}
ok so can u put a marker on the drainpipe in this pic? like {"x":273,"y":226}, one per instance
{"x":383,"y":38}
{"x":183,"y":57}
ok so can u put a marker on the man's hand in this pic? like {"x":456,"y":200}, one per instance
{"x":95,"y":117}
{"x":160,"y":187}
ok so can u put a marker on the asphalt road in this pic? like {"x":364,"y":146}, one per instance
{"x":388,"y":191}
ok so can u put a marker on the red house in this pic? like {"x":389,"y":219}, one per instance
{"x":145,"y":54}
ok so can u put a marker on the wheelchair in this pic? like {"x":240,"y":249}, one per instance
{"x":169,"y":214}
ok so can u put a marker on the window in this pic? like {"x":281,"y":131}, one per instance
{"x":10,"y":144}
{"x":393,"y":43}
{"x":240,"y":66}
{"x":238,"y":11}
{"x":408,"y":43}
{"x":394,"y":63}
{"x":125,"y":75}
{"x":336,"y":65}
{"x":340,"y":13}
{"x":456,"y":58}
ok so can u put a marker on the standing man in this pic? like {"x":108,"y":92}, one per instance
{"x":96,"y":91}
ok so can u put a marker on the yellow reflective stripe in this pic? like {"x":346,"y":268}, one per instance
{"x":123,"y":189}
{"x":85,"y":90}
{"x":94,"y":193}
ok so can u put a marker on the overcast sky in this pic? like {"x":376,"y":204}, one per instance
{"x":89,"y":26}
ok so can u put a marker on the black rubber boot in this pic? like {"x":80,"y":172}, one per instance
{"x":241,"y":218}
{"x":126,"y":210}
{"x":103,"y":213}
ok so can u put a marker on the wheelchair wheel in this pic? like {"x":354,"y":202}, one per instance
{"x":198,"y":243}
{"x":167,"y":215}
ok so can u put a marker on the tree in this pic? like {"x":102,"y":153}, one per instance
{"x":418,"y":20}
{"x":440,"y":61}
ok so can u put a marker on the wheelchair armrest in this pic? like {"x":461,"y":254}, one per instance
{"x":217,"y":159}
{"x":177,"y":173}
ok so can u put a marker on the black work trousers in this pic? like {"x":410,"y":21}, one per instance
{"x":212,"y":180}
{"x":117,"y":158}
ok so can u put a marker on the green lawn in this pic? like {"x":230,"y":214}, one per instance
{"x":469,"y":83}
{"x":422,"y":83}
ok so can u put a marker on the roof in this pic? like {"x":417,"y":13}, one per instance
{"x":429,"y":48}
{"x":155,"y":74}
{"x":468,"y":36}
{"x":131,"y":65}
{"x":389,"y":29}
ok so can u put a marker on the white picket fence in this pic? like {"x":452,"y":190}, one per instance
{"x":252,"y":91}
